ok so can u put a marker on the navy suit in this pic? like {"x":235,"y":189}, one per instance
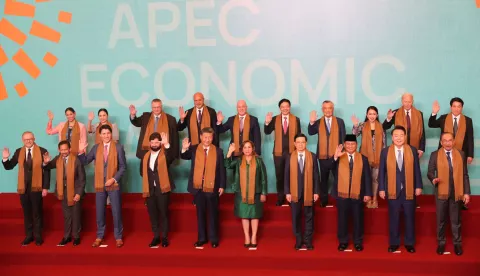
{"x":349,"y":206}
{"x":206,"y":201}
{"x":186,"y":123}
{"x":396,"y":205}
{"x":254,"y":134}
{"x":115,"y":195}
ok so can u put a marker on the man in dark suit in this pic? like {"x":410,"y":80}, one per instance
{"x":352,"y":187}
{"x":447,"y":170}
{"x":460,"y":125}
{"x":157,"y":185}
{"x":155,"y":121}
{"x":196,"y":118}
{"x":110,"y":165}
{"x":206,"y":182}
{"x":302,"y":187}
{"x":237,"y":125}
{"x":70,"y":190}
{"x":33,"y":184}
{"x":286,"y":126}
{"x":331,"y":132}
{"x":400,"y":178}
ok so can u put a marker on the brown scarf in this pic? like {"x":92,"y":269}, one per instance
{"x":292,"y":130}
{"x":416,"y":124}
{"x":112,"y":167}
{"x":98,"y":137}
{"x":462,"y":128}
{"x":392,"y":172}
{"x":162,"y":173}
{"x":200,"y":179}
{"x":70,"y":178}
{"x":250,"y":197}
{"x":367,"y":143}
{"x":37,"y":175}
{"x":332,"y":139}
{"x":443,"y":174}
{"x":162,"y":126}
{"x":74,"y":136}
{"x":308,"y":178}
{"x":236,"y":132}
{"x":344,"y":176}
{"x":193,"y":124}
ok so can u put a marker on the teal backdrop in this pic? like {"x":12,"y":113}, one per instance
{"x":115,"y":53}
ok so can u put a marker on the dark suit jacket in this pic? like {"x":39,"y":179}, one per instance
{"x":254,"y":131}
{"x":316,"y":177}
{"x":153,"y":175}
{"x":366,"y":184}
{"x":219,"y":174}
{"x":11,"y":163}
{"x":468,"y":143}
{"x":313,"y":129}
{"x":433,"y":171}
{"x":271,"y":127}
{"x":213,"y":123}
{"x":387,"y":125}
{"x":79,"y":185}
{"x":142,"y":122}
{"x":383,"y":177}
{"x":122,"y":162}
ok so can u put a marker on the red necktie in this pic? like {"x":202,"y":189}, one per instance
{"x":408,"y":121}
{"x":285,"y":126}
{"x":105,"y":154}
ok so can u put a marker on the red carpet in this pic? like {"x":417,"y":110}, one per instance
{"x":275,"y":254}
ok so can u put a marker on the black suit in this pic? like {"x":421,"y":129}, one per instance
{"x":206,"y":201}
{"x":142,"y":122}
{"x":387,"y":125}
{"x":279,"y":161}
{"x":308,"y":211}
{"x":72,"y":215}
{"x":254,"y":134}
{"x":326,"y":166}
{"x":32,"y":202}
{"x":157,"y":202}
{"x":450,"y":205}
{"x":353,"y":207}
{"x":186,"y":123}
{"x":468,"y":143}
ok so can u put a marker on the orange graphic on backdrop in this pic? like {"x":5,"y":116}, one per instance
{"x":13,"y":8}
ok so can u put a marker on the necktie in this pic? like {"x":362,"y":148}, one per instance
{"x":451,"y":189}
{"x":29,"y":157}
{"x":351,"y":164}
{"x":400,"y":160}
{"x":328,"y":124}
{"x":408,"y":120}
{"x":455,"y":128}
{"x":155,"y":124}
{"x":241,"y":124}
{"x":105,"y":154}
{"x":300,"y":162}
{"x":204,"y":164}
{"x":450,"y":167}
{"x":64,"y":171}
{"x":285,"y":126}
{"x":199,"y":117}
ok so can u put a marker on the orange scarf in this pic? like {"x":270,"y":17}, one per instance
{"x":367,"y":143}
{"x":98,"y":137}
{"x":162,"y":173}
{"x":462,"y":128}
{"x":236,"y":132}
{"x":112,"y":167}
{"x":416,"y":124}
{"x":162,"y":126}
{"x":195,"y":139}
{"x":308,"y":178}
{"x":37,"y":174}
{"x":392,"y":172}
{"x":344,"y":176}
{"x":207,"y":180}
{"x":333,"y":141}
{"x":250,"y":197}
{"x":292,"y":131}
{"x":70,"y":178}
{"x":74,"y":136}
{"x":443,"y":174}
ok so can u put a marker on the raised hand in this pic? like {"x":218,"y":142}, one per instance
{"x":338,"y":151}
{"x":46,"y":157}
{"x":435,"y":107}
{"x":6,"y":153}
{"x":83,"y":150}
{"x":220,"y":117}
{"x":418,"y":191}
{"x":182,"y":113}
{"x":231,"y":148}
{"x":164,"y":138}
{"x":435,"y":181}
{"x":355,"y":120}
{"x":133,"y":110}
{"x":50,"y":115}
{"x":390,"y":114}
{"x":91,"y":116}
{"x":185,"y":143}
{"x":313,"y":116}
{"x":269,"y":117}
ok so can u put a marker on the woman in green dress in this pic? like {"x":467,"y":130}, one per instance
{"x":250,"y":188}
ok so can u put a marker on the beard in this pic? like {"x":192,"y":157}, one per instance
{"x":155,"y":149}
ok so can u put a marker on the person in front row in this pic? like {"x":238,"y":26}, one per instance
{"x":400,"y":180}
{"x":351,"y":187}
{"x":250,"y":188}
{"x":110,"y":165}
{"x":302,"y":188}
{"x":70,"y":190}
{"x":206,"y":182}
{"x":447,"y":170}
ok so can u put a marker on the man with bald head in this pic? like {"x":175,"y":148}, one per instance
{"x":411,"y":119}
{"x":196,"y":118}
{"x":243,"y":127}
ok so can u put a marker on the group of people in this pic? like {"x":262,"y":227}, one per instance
{"x":359,"y":173}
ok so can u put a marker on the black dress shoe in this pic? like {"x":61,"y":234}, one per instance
{"x":458,"y":250}
{"x":298,"y":246}
{"x":199,"y":243}
{"x":392,"y":248}
{"x":310,"y":246}
{"x":165,"y":242}
{"x":39,"y":242}
{"x":64,"y":241}
{"x":253,"y":245}
{"x":27,"y":241}
{"x":247,"y":245}
{"x":279,"y":203}
{"x":323,"y":205}
{"x":410,"y":248}
{"x":154,"y":242}
{"x":342,"y":246}
{"x":440,"y":249}
{"x":76,"y":241}
{"x":358,"y":247}
{"x":464,"y":207}
{"x":214,"y":244}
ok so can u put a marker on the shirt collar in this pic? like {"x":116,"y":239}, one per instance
{"x":107,"y":144}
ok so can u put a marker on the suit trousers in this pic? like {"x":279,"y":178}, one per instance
{"x":326,"y":166}
{"x":453,"y":209}
{"x":157,"y":205}
{"x":116,"y":205}
{"x":309,"y":214}
{"x":279,"y":162}
{"x":395,"y":206}
{"x":207,"y":203}
{"x":72,"y":219}
{"x":32,"y":206}
{"x":348,"y":208}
